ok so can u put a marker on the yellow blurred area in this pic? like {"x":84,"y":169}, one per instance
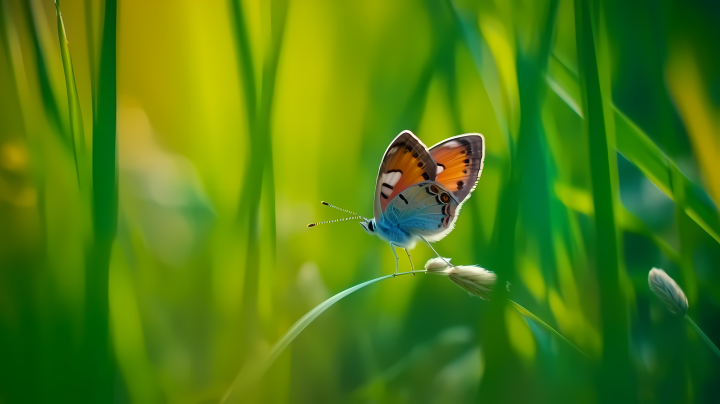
{"x":521,"y":338}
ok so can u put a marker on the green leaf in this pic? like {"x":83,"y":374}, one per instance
{"x":76,"y":120}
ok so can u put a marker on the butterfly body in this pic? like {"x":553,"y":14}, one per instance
{"x":419,"y":191}
{"x":392,"y":232}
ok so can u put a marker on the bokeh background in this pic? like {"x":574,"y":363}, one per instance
{"x":151,"y":252}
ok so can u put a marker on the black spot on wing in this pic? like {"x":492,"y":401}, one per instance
{"x":426,"y":176}
{"x":383,"y":195}
{"x":385,"y":184}
{"x":460,"y":184}
{"x":403,"y":198}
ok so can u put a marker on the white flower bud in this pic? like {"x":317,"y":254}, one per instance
{"x":474,"y":280}
{"x":437,"y":264}
{"x":668,"y":291}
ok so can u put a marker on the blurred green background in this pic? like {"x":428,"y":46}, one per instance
{"x":151,"y":249}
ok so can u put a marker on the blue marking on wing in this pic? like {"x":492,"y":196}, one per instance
{"x":423,"y":211}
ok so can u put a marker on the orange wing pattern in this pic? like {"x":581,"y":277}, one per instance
{"x":406,"y":162}
{"x":460,"y":162}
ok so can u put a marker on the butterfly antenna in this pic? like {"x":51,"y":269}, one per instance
{"x":334,"y":221}
{"x":340,"y":209}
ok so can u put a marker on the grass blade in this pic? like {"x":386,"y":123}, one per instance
{"x":49,"y":80}
{"x":251,"y":374}
{"x":704,"y":337}
{"x":99,"y":361}
{"x":76,"y":120}
{"x":603,"y":172}
{"x":638,"y":148}
{"x":541,"y":323}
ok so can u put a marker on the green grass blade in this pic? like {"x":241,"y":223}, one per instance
{"x":49,"y":81}
{"x":487,"y":68}
{"x":76,"y":120}
{"x":251,"y":374}
{"x":704,"y":337}
{"x":99,"y":361}
{"x":91,"y":45}
{"x":564,"y":83}
{"x":541,"y":323}
{"x":259,"y":118}
{"x":603,"y":173}
{"x":639,"y":149}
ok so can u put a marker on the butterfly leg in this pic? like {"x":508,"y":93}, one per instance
{"x":436,"y":253}
{"x":412,"y":266}
{"x":397,"y":260}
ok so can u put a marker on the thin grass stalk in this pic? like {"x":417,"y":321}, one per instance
{"x":686,"y":236}
{"x":502,"y":358}
{"x":91,"y":44}
{"x":254,"y":169}
{"x":99,"y":362}
{"x":74,"y":110}
{"x":614,"y":368}
{"x":277,"y":10}
{"x":525,"y":312}
{"x":252,"y":372}
{"x":260,"y":153}
{"x":703,"y":336}
{"x":486,"y":67}
{"x":50,"y":87}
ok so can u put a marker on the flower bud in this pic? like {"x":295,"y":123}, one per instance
{"x":474,"y":280}
{"x":437,"y":264}
{"x":668,"y":291}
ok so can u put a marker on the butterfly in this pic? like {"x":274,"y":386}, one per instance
{"x":419,"y":191}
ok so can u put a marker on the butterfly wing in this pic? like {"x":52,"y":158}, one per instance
{"x":406,"y":162}
{"x":427,"y":209}
{"x":459,"y":163}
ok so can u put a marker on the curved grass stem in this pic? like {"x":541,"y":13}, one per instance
{"x":704,"y":337}
{"x":525,"y":312}
{"x":254,"y":369}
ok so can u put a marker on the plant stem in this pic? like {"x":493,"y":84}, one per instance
{"x":705,"y":337}
{"x":251,"y":372}
{"x":525,"y":312}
